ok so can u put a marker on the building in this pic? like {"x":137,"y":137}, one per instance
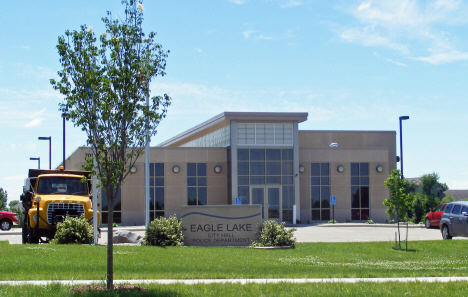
{"x":261,"y":158}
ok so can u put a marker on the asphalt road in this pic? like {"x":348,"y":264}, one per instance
{"x":316,"y":233}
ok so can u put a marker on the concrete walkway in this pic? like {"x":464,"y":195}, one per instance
{"x":241,"y":281}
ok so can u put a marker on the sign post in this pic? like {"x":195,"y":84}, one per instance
{"x":333,"y":202}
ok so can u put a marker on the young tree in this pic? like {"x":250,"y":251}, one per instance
{"x":399,"y":202}
{"x":3,"y":198}
{"x":106,"y":86}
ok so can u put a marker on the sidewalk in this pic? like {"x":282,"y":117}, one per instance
{"x":241,"y":281}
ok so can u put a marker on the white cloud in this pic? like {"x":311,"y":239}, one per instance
{"x":197,"y":49}
{"x":237,"y":1}
{"x":368,"y":37}
{"x":34,"y":123}
{"x":444,"y":57}
{"x":411,"y":27}
{"x":248,"y":33}
{"x":397,"y":63}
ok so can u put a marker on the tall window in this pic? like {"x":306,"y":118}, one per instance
{"x":359,"y":191}
{"x":320,"y":191}
{"x":267,"y":167}
{"x":196,"y":184}
{"x":117,"y":207}
{"x":156,"y":190}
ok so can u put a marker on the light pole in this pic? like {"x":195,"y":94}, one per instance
{"x":38,"y":162}
{"x":50,"y":149}
{"x":401,"y":146}
{"x":64,"y":116}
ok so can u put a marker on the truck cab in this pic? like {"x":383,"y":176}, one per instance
{"x":49,"y":196}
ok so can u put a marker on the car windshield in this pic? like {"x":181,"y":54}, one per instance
{"x":61,"y":185}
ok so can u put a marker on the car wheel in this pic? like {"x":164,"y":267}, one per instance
{"x":446,"y":233}
{"x":427,"y":223}
{"x":5,"y":225}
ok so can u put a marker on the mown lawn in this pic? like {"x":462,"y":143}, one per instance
{"x":307,"y":260}
{"x":280,"y":289}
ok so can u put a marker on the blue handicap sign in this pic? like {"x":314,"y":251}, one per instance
{"x":332,"y":200}
{"x":238,"y":201}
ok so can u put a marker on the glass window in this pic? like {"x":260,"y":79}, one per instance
{"x":320,"y":191}
{"x":196,"y":184}
{"x":273,"y":168}
{"x":257,"y":168}
{"x":261,"y":166}
{"x":360,"y":191}
{"x":117,"y":207}
{"x":287,"y":154}
{"x":449,"y":208}
{"x":157,"y":198}
{"x":456,"y":209}
{"x":257,"y":154}
{"x":242,"y":154}
{"x":191,"y":169}
{"x":273,"y":154}
{"x":243,"y":168}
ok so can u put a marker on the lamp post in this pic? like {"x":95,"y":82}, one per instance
{"x":64,"y":116}
{"x":50,"y":149}
{"x":401,"y":146}
{"x":38,"y":162}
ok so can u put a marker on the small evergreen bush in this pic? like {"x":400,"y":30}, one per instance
{"x":74,"y":230}
{"x":164,"y":232}
{"x":369,"y":221}
{"x":274,"y":234}
{"x":332,"y":222}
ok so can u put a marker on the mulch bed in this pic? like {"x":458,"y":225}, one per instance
{"x":82,"y":289}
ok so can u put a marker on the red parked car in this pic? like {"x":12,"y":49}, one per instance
{"x":433,"y":218}
{"x":8,"y":219}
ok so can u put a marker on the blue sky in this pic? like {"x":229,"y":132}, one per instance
{"x":352,"y":65}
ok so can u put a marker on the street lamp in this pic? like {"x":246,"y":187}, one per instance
{"x":50,"y":149}
{"x":64,"y":116}
{"x":38,"y":162}
{"x":401,"y":146}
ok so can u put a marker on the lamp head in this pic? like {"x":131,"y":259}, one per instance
{"x":404,"y":118}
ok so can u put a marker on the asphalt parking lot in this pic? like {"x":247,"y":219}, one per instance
{"x":317,"y":233}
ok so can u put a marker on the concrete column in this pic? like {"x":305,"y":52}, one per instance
{"x":234,"y":185}
{"x":297,"y":189}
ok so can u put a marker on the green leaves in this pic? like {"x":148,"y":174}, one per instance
{"x":164,"y":232}
{"x":274,"y":234}
{"x":399,"y":202}
{"x":74,"y":230}
{"x":105,"y":82}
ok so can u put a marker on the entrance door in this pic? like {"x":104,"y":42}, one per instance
{"x":269,"y":197}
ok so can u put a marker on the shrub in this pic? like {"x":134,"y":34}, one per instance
{"x":332,"y":222}
{"x":74,"y":230}
{"x":369,"y":221}
{"x":164,"y":232}
{"x":274,"y":234}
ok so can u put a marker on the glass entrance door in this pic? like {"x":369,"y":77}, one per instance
{"x":269,"y":197}
{"x":258,"y":197}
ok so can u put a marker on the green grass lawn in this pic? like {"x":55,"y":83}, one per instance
{"x":307,"y":260}
{"x":280,"y":289}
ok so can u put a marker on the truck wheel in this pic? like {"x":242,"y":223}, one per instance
{"x":31,"y":238}
{"x":446,"y":233}
{"x":5,"y":225}
{"x":24,"y":233}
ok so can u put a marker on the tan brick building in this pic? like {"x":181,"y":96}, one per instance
{"x":261,"y":158}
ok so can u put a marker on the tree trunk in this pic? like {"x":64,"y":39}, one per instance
{"x":110,"y":247}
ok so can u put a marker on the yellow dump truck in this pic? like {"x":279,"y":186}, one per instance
{"x":49,"y":196}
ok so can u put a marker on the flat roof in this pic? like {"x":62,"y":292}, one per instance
{"x":225,"y":118}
